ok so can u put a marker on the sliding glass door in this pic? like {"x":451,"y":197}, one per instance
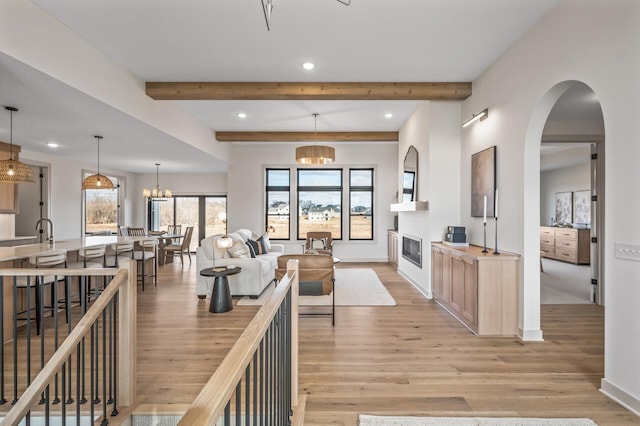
{"x":207,"y":215}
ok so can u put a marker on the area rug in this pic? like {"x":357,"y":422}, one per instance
{"x":353,"y":287}
{"x":367,"y":420}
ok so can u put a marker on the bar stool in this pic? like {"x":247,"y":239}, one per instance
{"x":94,"y":257}
{"x":143,"y":255}
{"x":51,"y":259}
{"x":120,"y":249}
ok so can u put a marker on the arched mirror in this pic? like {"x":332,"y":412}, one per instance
{"x":410,"y":176}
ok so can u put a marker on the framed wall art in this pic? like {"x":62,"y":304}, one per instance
{"x":483,"y":182}
{"x":582,"y":207}
{"x":564,"y":207}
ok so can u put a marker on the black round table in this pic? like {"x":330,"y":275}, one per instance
{"x":221,"y":295}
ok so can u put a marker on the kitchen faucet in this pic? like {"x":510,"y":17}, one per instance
{"x":39,"y":225}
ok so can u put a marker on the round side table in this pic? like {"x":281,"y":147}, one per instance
{"x":221,"y":295}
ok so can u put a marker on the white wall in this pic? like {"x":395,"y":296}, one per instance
{"x":566,"y":179}
{"x":65,"y":183}
{"x":577,"y":40}
{"x":434,"y":130}
{"x":246,"y":191}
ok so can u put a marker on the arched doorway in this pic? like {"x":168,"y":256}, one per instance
{"x":562,"y":132}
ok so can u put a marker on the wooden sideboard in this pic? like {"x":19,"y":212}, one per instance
{"x":566,"y":244}
{"x":479,"y":289}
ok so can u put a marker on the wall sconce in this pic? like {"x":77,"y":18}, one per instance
{"x":482,"y":115}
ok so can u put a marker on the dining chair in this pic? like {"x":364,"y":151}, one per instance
{"x":174,"y":230}
{"x":136,"y":232}
{"x":123,"y":231}
{"x":181,"y":248}
{"x":319,"y":242}
{"x":148,"y":251}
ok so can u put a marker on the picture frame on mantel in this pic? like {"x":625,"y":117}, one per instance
{"x":483,"y":182}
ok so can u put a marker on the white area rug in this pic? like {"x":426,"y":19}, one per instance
{"x":367,"y":420}
{"x":353,"y":287}
{"x":564,"y":283}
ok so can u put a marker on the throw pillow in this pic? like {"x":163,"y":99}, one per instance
{"x":257,"y":246}
{"x":263,"y":244}
{"x":267,"y":243}
{"x":319,"y":243}
{"x":250,"y":245}
{"x":239,"y":250}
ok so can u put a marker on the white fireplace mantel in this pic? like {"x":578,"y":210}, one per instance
{"x":410,"y":206}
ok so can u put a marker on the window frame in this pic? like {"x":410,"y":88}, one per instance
{"x":300,"y":189}
{"x":358,"y":188}
{"x":119,"y":185}
{"x":277,"y":188}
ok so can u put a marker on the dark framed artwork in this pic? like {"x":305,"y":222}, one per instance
{"x":564,"y":207}
{"x":483,"y":182}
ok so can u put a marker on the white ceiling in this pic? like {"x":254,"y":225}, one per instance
{"x":209,"y":40}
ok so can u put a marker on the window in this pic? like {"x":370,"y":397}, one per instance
{"x":101,"y":208}
{"x":207,"y":215}
{"x":320,"y":201}
{"x":360,"y":204}
{"x":278,"y":198}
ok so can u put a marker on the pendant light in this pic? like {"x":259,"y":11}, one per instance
{"x":315,"y":154}
{"x":97,"y":181}
{"x":156,"y":194}
{"x":14,"y":171}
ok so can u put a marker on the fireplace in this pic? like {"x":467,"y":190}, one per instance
{"x":412,"y":249}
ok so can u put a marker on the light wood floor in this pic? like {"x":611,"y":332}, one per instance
{"x":411,"y":359}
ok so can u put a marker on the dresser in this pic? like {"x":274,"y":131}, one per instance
{"x":566,"y":244}
{"x":479,"y":289}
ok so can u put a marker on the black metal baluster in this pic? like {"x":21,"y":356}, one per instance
{"x":289,"y":357}
{"x":3,"y":400}
{"x":63,"y":407}
{"x":267,"y":358}
{"x":227,"y":414}
{"x":110,"y":316}
{"x":83,"y":308}
{"x":276,"y":370}
{"x":40,"y":306}
{"x":255,"y":388}
{"x":28,"y":336}
{"x":247,"y":395}
{"x":54,"y":304}
{"x":262,"y":408}
{"x":78,"y":373}
{"x":92,"y":366}
{"x":67,"y":302}
{"x":104,"y":369}
{"x":95,"y":370}
{"x":15,"y":338}
{"x":47,"y":406}
{"x":238,"y":403}
{"x":274,"y":379}
{"x":114,"y":357}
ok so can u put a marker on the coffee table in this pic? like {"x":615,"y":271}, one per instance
{"x":221,"y":295}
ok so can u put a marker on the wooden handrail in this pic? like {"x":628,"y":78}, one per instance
{"x":209,"y":405}
{"x":44,"y":377}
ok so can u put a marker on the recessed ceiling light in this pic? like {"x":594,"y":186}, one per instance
{"x":388,"y":115}
{"x":242,"y":115}
{"x":53,"y":145}
{"x":308,"y":66}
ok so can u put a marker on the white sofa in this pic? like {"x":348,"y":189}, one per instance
{"x":257,"y":273}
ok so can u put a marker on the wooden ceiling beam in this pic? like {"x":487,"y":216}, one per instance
{"x":307,"y":136}
{"x":307,"y":91}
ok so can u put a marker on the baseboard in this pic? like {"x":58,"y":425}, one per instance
{"x":530,"y":335}
{"x":620,"y":396}
{"x":426,"y":293}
